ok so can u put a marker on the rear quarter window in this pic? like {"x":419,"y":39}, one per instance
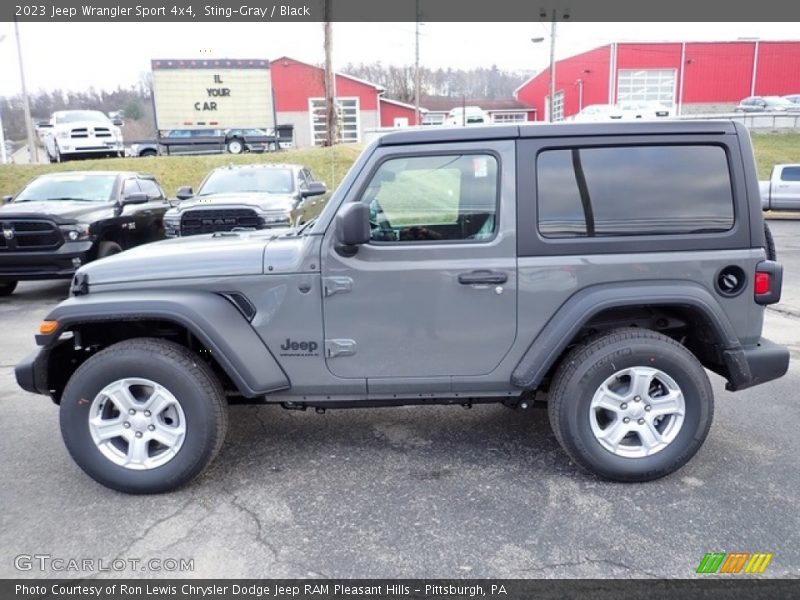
{"x":633,"y":190}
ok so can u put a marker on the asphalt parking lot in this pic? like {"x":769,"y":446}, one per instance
{"x":409,"y":492}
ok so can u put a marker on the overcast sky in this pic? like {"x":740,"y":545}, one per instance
{"x":104,"y":55}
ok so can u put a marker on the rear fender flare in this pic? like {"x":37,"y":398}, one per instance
{"x":568,"y":320}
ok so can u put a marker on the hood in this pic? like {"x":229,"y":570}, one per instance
{"x":83,"y":124}
{"x":200,"y":256}
{"x":62,"y":211}
{"x":266,"y":202}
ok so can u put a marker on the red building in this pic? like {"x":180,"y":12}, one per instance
{"x":695,"y":77}
{"x":300,"y":101}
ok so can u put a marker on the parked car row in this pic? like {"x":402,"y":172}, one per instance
{"x":626,"y":110}
{"x":60,"y":221}
{"x":788,"y":104}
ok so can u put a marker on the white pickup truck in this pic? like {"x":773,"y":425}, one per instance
{"x":81,"y":134}
{"x":782,"y":191}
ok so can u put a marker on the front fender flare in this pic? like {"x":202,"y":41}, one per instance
{"x":568,"y":320}
{"x":212,"y":319}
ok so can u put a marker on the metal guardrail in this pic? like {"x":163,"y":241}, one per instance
{"x":768,"y":121}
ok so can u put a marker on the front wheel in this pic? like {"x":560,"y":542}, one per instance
{"x":631,"y":405}
{"x":143,"y":416}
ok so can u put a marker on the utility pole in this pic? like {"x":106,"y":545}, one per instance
{"x":330,"y":80}
{"x":552,"y":64}
{"x":416,"y":71}
{"x":3,"y":157}
{"x":34,"y":156}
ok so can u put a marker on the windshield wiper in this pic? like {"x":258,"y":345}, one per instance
{"x":306,"y":225}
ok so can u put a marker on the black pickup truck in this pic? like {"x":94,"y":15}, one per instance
{"x":61,"y":221}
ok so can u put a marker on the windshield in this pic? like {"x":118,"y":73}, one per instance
{"x":226,"y":181}
{"x":84,"y":188}
{"x":73,"y":116}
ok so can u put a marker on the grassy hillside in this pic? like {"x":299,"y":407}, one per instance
{"x":328,"y":164}
{"x":775,"y":148}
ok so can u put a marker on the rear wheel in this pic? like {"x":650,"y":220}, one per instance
{"x":235,"y":146}
{"x":631,"y":405}
{"x":143,"y":416}
{"x":7,"y":287}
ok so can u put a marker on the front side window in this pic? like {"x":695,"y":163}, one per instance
{"x":636,"y":190}
{"x":434,"y":198}
{"x":151,"y":188}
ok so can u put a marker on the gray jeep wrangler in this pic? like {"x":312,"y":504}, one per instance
{"x":603,"y":266}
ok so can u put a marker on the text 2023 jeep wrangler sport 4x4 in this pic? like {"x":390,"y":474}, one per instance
{"x":605,"y":264}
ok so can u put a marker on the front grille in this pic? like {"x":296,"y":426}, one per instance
{"x":208,"y":220}
{"x":29,"y":235}
{"x":102,"y":132}
{"x":79,"y":132}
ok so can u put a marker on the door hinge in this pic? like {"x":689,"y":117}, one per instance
{"x":335,"y":348}
{"x":333,"y":285}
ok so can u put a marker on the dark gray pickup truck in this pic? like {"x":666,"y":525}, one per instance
{"x":605,"y":267}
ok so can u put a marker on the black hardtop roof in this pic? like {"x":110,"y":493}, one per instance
{"x":506,"y":132}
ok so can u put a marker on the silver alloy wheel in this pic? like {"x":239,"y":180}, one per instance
{"x":137,"y":423}
{"x":637,"y":412}
{"x":235,"y":147}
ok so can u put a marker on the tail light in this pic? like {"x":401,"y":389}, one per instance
{"x":767,"y":282}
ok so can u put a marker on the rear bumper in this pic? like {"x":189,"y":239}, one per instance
{"x":50,"y":264}
{"x":757,"y":364}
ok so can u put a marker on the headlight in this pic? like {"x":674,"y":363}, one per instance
{"x":62,"y":135}
{"x":73,"y":233}
{"x":172,"y":225}
{"x":117,"y":132}
{"x":276,"y":218}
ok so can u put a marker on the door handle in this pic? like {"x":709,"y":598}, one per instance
{"x":482,"y":277}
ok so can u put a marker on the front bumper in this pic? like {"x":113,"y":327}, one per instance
{"x":89,"y":146}
{"x":29,"y":372}
{"x":757,"y":364}
{"x":49,"y":264}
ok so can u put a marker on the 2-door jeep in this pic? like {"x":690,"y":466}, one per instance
{"x":606,"y":266}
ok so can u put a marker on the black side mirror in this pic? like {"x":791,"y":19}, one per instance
{"x":352,"y":227}
{"x":135,"y":198}
{"x":315,"y":188}
{"x":6,"y":199}
{"x":118,"y":122}
{"x":184,"y":192}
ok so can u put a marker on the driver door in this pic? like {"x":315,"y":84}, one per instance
{"x":433,"y":295}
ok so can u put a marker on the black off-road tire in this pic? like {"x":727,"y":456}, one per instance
{"x":7,"y":287}
{"x":188,"y":378}
{"x":769,"y":243}
{"x":587,"y":366}
{"x":108,"y":248}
